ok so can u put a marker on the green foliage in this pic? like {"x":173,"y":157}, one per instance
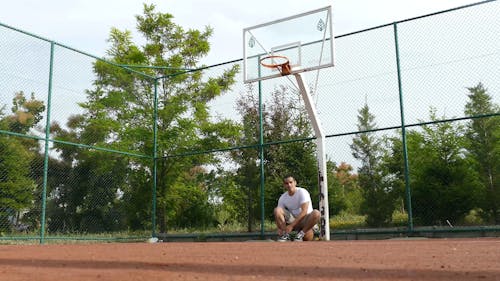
{"x":400,"y":218}
{"x":26,"y":113}
{"x":120,"y":114}
{"x":474,"y":217}
{"x":346,"y":220}
{"x":236,"y":202}
{"x":284,"y":119}
{"x":17,"y":187}
{"x":379,"y":188}
{"x":443,"y":185}
{"x":191,"y":201}
{"x":454,"y":167}
{"x":344,"y":192}
{"x":483,"y":144}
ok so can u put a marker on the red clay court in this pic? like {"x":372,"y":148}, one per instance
{"x":405,"y":259}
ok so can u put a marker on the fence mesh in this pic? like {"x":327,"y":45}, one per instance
{"x":91,"y":149}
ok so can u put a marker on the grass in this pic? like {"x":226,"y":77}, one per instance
{"x":76,"y":237}
{"x":343,"y":221}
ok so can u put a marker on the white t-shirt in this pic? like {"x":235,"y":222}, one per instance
{"x":292,"y":203}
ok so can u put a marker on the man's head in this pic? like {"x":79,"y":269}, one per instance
{"x":289,"y":184}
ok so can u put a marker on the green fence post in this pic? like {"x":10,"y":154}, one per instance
{"x":155,"y":148}
{"x":46,"y":153}
{"x":403,"y":133}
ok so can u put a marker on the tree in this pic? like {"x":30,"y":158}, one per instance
{"x":443,"y":185}
{"x":393,"y":161}
{"x":241,"y":198}
{"x":483,"y":144}
{"x":379,"y":191}
{"x":287,"y":120}
{"x":343,"y":189}
{"x":26,"y":113}
{"x":16,"y":185}
{"x":284,"y":119}
{"x":120,"y":115}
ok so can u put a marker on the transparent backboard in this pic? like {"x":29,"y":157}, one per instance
{"x":306,"y":39}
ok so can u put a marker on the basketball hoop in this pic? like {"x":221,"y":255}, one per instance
{"x":281,"y":63}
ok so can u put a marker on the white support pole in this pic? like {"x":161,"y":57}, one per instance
{"x":320,"y":144}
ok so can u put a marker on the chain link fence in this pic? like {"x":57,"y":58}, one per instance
{"x":403,"y":139}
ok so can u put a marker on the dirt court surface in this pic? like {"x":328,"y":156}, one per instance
{"x":408,"y":259}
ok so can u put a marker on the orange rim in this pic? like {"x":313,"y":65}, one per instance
{"x":283,"y":67}
{"x":273,"y":65}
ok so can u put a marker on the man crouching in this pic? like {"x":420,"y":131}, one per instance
{"x":295,"y":213}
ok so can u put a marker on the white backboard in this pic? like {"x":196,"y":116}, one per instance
{"x":306,"y":39}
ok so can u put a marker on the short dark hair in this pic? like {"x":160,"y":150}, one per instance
{"x":289,"y":176}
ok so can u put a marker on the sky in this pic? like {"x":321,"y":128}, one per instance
{"x":85,"y":24}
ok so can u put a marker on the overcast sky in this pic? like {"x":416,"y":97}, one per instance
{"x":85,"y":24}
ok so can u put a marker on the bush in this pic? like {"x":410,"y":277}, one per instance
{"x":474,"y":218}
{"x":399,"y":218}
{"x":345,"y":221}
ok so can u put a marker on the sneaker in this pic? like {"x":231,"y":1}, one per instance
{"x":299,"y":237}
{"x":284,"y":238}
